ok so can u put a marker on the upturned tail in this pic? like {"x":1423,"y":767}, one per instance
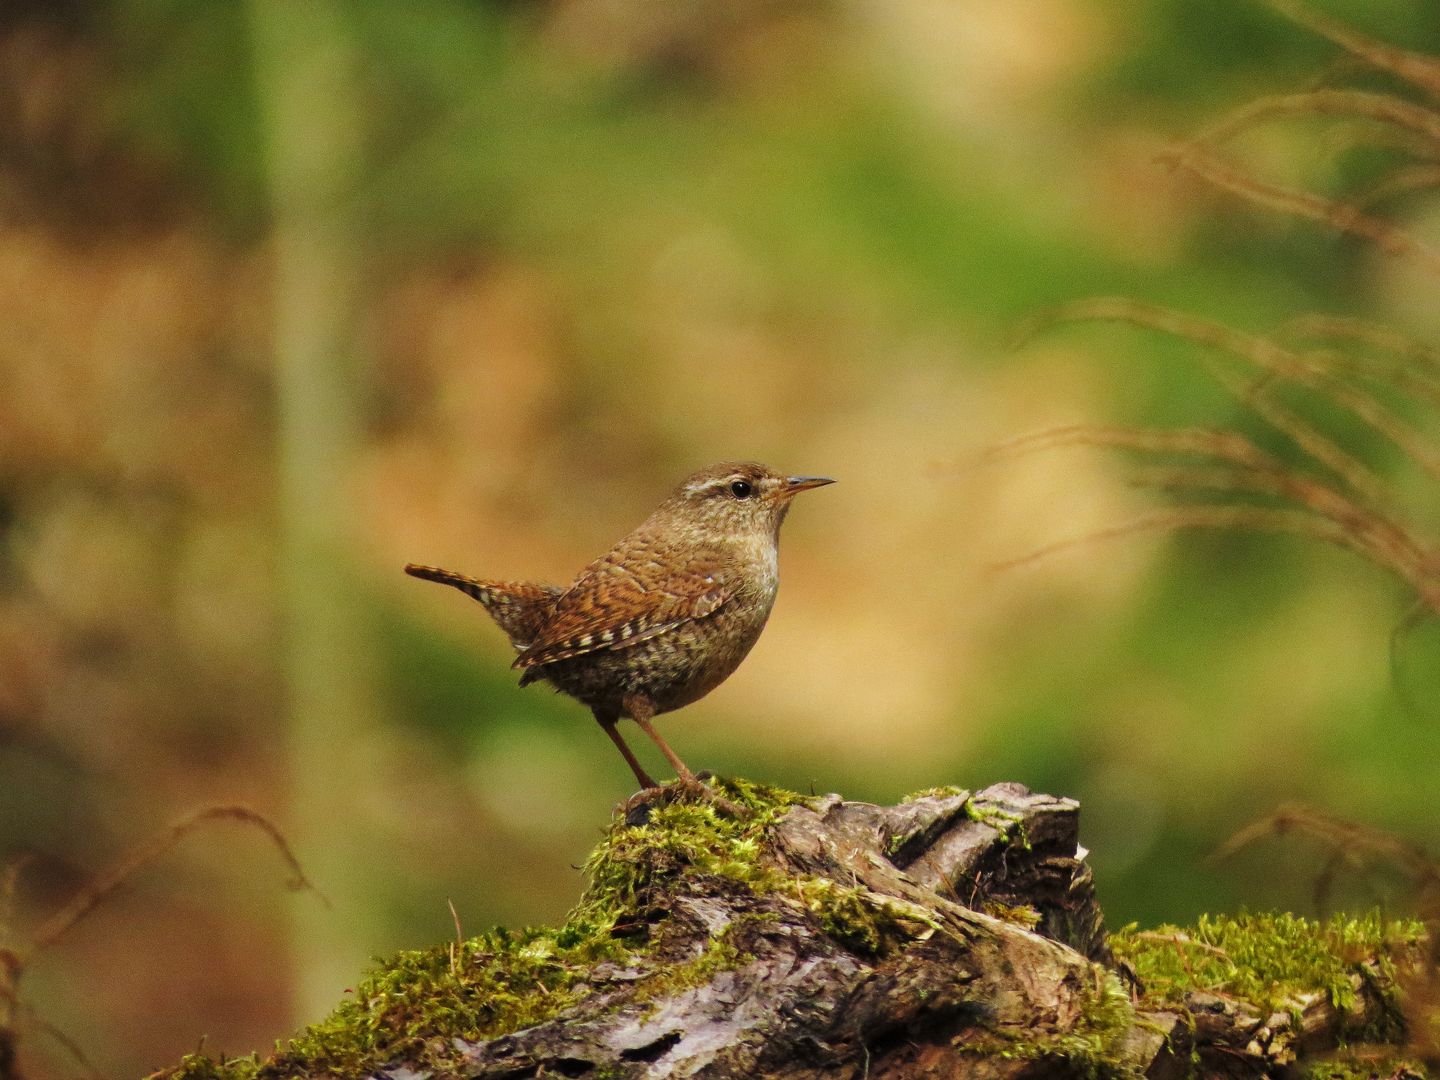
{"x":520,"y":608}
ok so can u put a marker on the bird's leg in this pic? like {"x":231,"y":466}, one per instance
{"x":607,"y":724}
{"x":641,"y":710}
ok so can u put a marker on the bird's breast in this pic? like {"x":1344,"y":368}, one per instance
{"x":758,"y":562}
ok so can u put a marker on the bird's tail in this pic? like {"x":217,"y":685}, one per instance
{"x":519,"y":607}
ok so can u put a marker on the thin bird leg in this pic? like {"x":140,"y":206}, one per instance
{"x":607,"y":724}
{"x":641,"y":710}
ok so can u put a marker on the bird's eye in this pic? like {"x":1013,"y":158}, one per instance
{"x":741,"y":489}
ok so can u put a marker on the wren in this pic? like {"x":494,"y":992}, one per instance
{"x":663,"y":617}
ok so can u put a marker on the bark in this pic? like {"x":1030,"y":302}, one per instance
{"x":952,"y":935}
{"x":807,"y":1003}
{"x":958,"y":992}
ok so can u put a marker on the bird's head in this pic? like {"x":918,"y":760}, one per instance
{"x":740,"y":498}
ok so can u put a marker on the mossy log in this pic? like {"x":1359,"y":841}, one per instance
{"x":951,"y":935}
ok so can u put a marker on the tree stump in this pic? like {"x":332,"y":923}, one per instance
{"x":951,"y":935}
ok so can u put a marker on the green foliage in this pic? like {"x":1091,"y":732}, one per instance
{"x":435,"y":684}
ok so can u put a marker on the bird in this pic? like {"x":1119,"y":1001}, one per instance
{"x":663,"y":617}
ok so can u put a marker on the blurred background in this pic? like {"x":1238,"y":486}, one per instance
{"x":292,"y":294}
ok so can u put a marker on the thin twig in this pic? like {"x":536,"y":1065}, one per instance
{"x":99,"y":888}
{"x":1359,"y":843}
{"x":1388,"y":372}
{"x":39,"y":1023}
{"x":455,"y":918}
{"x":1368,"y":408}
{"x":457,"y":946}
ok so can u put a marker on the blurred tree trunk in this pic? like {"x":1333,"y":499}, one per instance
{"x":304,"y":71}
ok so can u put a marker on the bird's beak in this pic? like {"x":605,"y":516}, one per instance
{"x":796,"y":484}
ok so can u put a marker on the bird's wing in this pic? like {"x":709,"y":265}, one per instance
{"x":610,"y":607}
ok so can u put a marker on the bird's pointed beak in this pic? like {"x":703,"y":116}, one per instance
{"x":796,"y":484}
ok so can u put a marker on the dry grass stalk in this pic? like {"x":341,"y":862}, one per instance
{"x":1243,"y":518}
{"x":1354,"y":508}
{"x":1386,"y":109}
{"x":1353,"y":365}
{"x":1364,"y":851}
{"x":15,"y":1013}
{"x":1242,"y":468}
{"x":1272,"y":360}
{"x":1344,"y":217}
{"x":1383,"y":374}
{"x":1345,"y":103}
{"x":1376,"y":335}
{"x":1415,"y":68}
{"x":1406,"y":180}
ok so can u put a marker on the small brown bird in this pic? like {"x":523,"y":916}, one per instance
{"x":666,"y":615}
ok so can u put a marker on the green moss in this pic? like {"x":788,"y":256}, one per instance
{"x":411,"y":1006}
{"x":1273,"y":961}
{"x":1093,"y":1046}
{"x":1022,"y":915}
{"x":200,"y":1067}
{"x":1011,"y":827}
{"x":948,"y":791}
{"x":721,"y":954}
{"x":486,"y":986}
{"x":681,"y":837}
{"x":861,"y":920}
{"x":1365,"y":1066}
{"x":502,"y":981}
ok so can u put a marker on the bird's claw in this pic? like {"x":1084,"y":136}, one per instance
{"x":637,"y":808}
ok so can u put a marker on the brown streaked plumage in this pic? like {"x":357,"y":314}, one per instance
{"x":665,"y":615}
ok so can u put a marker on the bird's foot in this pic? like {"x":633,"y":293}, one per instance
{"x":684,"y":788}
{"x":636,"y":809}
{"x":694,"y":787}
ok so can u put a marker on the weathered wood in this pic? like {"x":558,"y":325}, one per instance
{"x":952,"y":935}
{"x":965,"y":989}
